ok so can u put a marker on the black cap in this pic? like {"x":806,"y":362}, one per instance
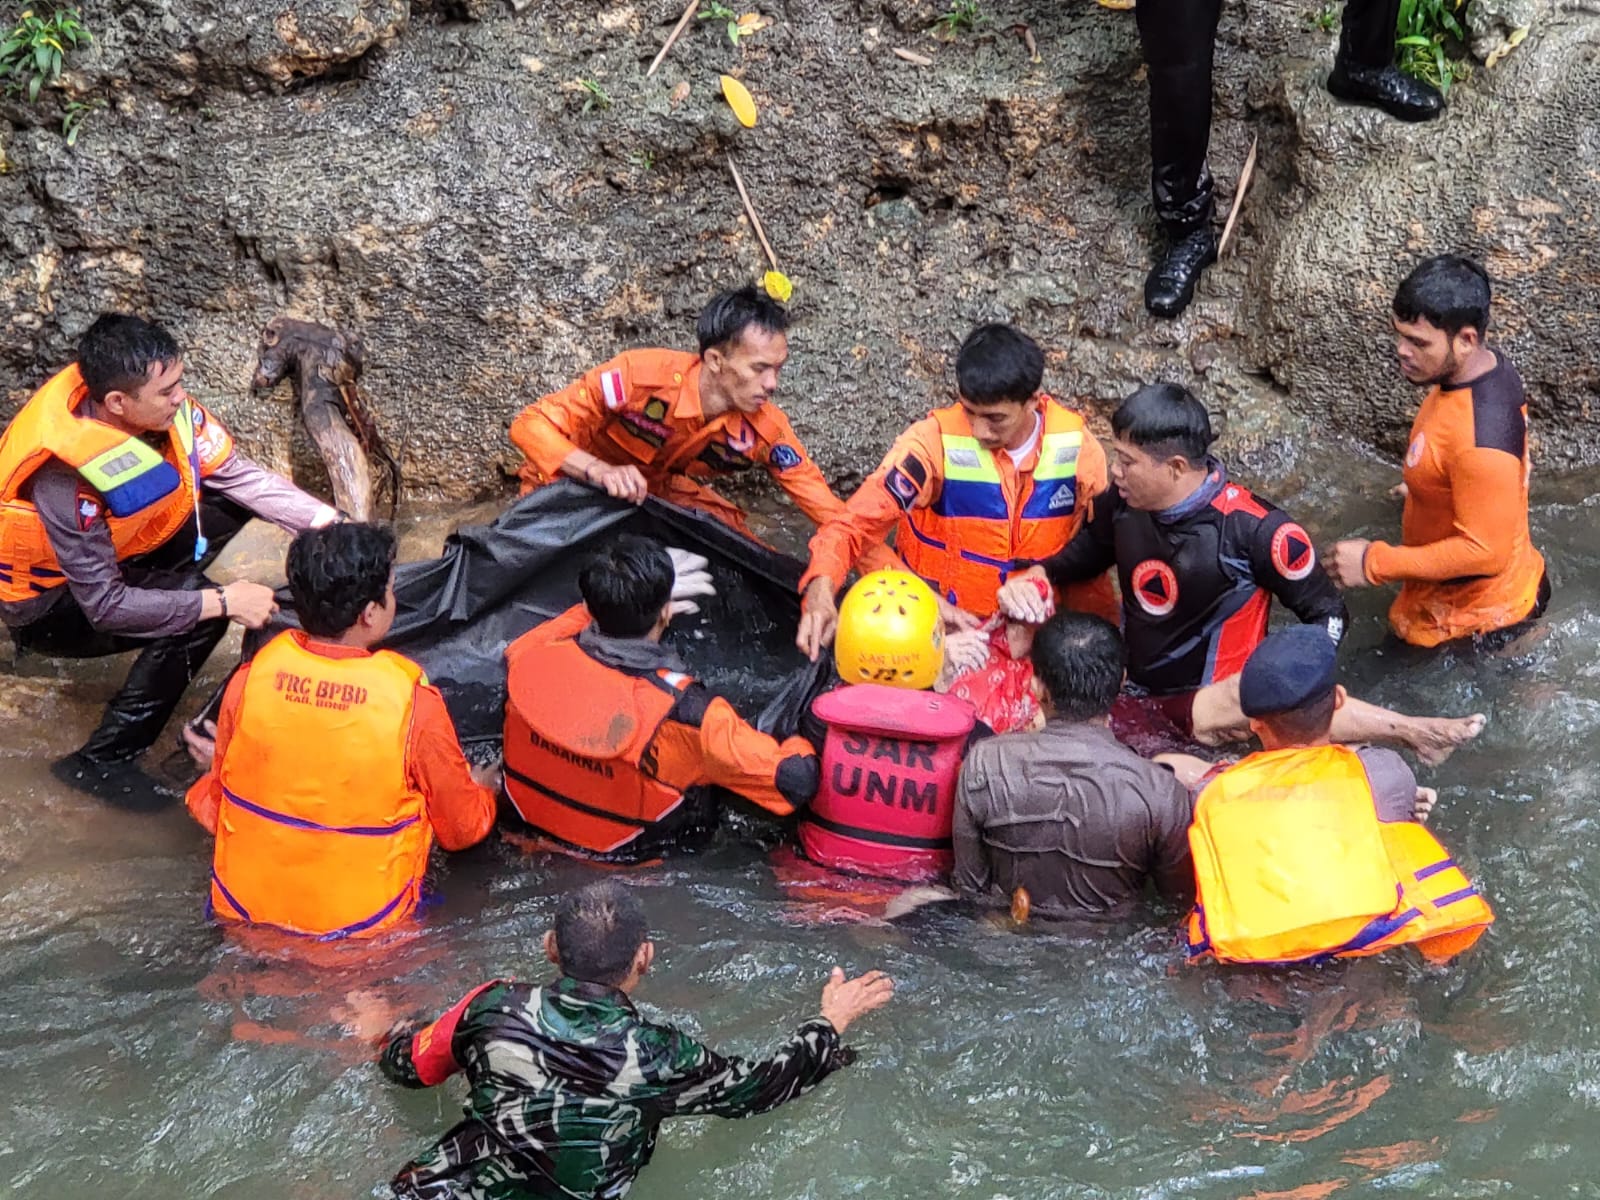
{"x":1288,"y":670}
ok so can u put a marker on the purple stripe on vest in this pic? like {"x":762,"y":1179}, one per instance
{"x":1444,"y":864}
{"x":302,"y":823}
{"x":1465,"y":893}
{"x":228,"y":896}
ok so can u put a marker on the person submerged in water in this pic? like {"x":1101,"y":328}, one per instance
{"x":1466,"y":563}
{"x":570,"y":1085}
{"x":1200,"y":560}
{"x":610,"y":744}
{"x":335,"y":767}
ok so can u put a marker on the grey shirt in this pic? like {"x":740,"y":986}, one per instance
{"x":1074,"y":816}
{"x":1081,"y":821}
{"x":95,"y":578}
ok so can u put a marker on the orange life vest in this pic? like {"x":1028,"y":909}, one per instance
{"x":576,"y":741}
{"x":148,"y":493}
{"x":321,"y":830}
{"x":1291,"y":863}
{"x":889,"y":766}
{"x":965,"y":542}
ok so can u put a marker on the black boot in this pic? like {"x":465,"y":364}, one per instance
{"x":1170,"y":285}
{"x":119,"y":784}
{"x":1388,"y":88}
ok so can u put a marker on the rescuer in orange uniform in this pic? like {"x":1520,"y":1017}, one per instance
{"x":1309,"y":850}
{"x":1466,"y":563}
{"x":660,"y":422}
{"x":1006,"y":473}
{"x":116,"y":492}
{"x":609,"y":743}
{"x":334,"y":766}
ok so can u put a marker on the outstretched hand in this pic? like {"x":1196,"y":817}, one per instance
{"x":844,"y":1000}
{"x":1027,"y":597}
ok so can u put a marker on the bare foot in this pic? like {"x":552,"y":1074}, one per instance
{"x":1435,"y":739}
{"x":1422,"y":807}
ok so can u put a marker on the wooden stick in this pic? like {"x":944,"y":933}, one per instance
{"x":1245,"y":176}
{"x":750,"y":211}
{"x":683,"y":21}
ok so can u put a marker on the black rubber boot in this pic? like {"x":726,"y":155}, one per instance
{"x":119,"y":784}
{"x":155,"y":684}
{"x":1170,"y":285}
{"x":1388,"y":88}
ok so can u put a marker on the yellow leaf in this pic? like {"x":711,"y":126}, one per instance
{"x":740,"y":100}
{"x":777,"y":285}
{"x":752,"y":22}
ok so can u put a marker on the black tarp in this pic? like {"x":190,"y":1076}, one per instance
{"x":494,"y":582}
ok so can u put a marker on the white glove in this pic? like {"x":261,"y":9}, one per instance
{"x":690,"y":577}
{"x":1027,"y":600}
{"x":966,"y":651}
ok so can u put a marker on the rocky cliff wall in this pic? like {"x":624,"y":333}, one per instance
{"x":436,"y":176}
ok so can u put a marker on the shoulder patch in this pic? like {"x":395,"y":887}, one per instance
{"x":88,"y":508}
{"x":783,"y":457}
{"x":1293,"y":555}
{"x":1234,"y":498}
{"x":1499,"y":412}
{"x":904,"y":481}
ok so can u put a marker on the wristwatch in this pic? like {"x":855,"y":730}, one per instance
{"x":222,"y":599}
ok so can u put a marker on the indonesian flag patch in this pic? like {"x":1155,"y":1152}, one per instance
{"x":611,"y":388}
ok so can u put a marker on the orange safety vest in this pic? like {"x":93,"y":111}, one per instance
{"x":577,"y":734}
{"x":320,"y":830}
{"x":148,"y":493}
{"x":1292,"y":864}
{"x":889,"y":767}
{"x":965,"y":542}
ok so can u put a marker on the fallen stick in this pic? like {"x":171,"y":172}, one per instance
{"x":912,"y":57}
{"x":750,"y":211}
{"x":677,"y":30}
{"x":1245,"y":176}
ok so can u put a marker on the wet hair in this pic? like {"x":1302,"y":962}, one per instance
{"x":116,"y":353}
{"x":999,"y":364}
{"x":1165,"y":421}
{"x":599,"y":929}
{"x":1304,"y":725}
{"x":626,"y":585}
{"x":731,"y":313}
{"x":336,"y":571}
{"x":1078,"y":660}
{"x":1448,"y":291}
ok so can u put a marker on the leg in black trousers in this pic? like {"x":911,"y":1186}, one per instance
{"x":156,"y":682}
{"x":1178,"y":38}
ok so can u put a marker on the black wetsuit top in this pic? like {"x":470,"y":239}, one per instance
{"x":1198,"y":580}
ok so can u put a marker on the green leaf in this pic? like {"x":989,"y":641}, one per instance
{"x":33,"y":88}
{"x":55,"y":64}
{"x":41,"y":57}
{"x":1414,"y":40}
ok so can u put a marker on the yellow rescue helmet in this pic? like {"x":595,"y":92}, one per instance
{"x":890,"y":632}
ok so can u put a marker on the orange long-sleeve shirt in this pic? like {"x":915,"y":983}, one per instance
{"x":643,"y":408}
{"x":460,"y":812}
{"x":1466,"y":560}
{"x":909,"y":481}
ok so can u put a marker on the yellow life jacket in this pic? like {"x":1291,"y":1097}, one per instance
{"x":1292,"y":864}
{"x":148,"y":493}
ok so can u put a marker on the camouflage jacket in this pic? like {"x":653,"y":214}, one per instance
{"x":569,"y":1085}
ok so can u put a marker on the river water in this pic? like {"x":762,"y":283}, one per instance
{"x":146,"y":1055}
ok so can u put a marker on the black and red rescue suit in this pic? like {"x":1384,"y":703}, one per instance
{"x":1198,"y":580}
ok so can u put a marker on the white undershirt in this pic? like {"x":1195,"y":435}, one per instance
{"x":1020,"y":454}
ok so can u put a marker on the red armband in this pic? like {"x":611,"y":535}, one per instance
{"x":431,"y":1052}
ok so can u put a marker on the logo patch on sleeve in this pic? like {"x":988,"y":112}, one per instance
{"x":783,"y":457}
{"x":1293,"y":555}
{"x":88,"y":510}
{"x":902,"y":489}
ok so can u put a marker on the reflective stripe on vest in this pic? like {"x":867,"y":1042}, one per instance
{"x":1292,"y":865}
{"x":965,"y":542}
{"x":331,"y":844}
{"x":148,"y":494}
{"x":576,"y":753}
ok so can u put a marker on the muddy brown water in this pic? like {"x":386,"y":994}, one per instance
{"x":147,"y":1055}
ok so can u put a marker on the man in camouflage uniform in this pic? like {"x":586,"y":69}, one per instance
{"x":570,"y":1084}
